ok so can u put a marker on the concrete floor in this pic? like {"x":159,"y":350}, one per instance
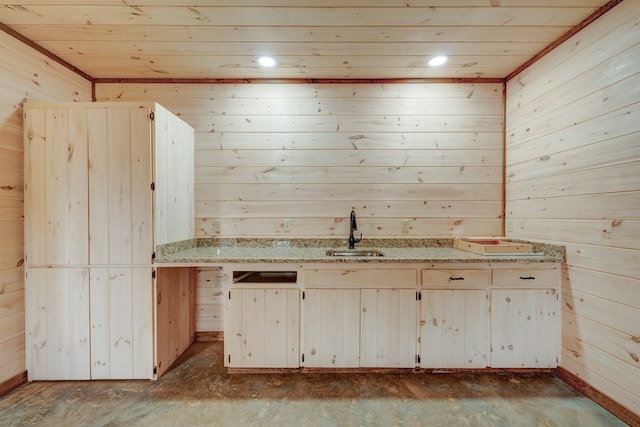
{"x":197,"y":391}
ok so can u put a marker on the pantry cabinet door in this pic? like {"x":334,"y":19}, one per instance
{"x":174,"y":178}
{"x":120,"y":201}
{"x":56,"y":189}
{"x":175,"y":328}
{"x":524,"y":328}
{"x":331,"y":330}
{"x":454,"y":326}
{"x":122,"y":323}
{"x":388,"y":328}
{"x":57,"y":323}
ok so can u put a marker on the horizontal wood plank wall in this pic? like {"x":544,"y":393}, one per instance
{"x":573,"y":177}
{"x":427,"y":153}
{"x":24,"y":75}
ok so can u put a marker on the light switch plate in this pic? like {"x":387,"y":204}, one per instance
{"x":286,"y":224}
{"x":217,"y":226}
{"x":405,"y":226}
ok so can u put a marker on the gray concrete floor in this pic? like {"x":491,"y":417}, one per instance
{"x":197,"y":391}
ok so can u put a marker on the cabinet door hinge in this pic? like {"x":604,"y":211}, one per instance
{"x":417,"y":359}
{"x":229,"y":358}
{"x":229,"y":294}
{"x":155,"y":370}
{"x":153,"y":186}
{"x":152,"y":115}
{"x":153,"y":255}
{"x":418,"y":296}
{"x":302,"y":357}
{"x":303,"y":295}
{"x":153,"y":274}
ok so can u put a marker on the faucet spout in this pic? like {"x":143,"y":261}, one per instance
{"x":353,"y":226}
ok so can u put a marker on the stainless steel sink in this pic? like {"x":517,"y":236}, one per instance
{"x":354,"y":252}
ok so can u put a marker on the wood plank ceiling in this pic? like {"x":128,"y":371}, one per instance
{"x":309,"y":39}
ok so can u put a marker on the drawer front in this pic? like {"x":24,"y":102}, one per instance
{"x":348,"y":278}
{"x":457,"y":278}
{"x":526,"y":278}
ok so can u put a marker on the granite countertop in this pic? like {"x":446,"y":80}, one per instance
{"x":220,"y":251}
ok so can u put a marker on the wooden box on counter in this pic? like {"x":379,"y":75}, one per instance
{"x":490,"y":246}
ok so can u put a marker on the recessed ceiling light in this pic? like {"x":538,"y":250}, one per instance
{"x":438,"y":60}
{"x":266,"y":61}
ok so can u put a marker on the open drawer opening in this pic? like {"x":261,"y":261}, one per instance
{"x":265,"y":277}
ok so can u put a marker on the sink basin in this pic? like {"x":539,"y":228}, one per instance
{"x":354,"y":252}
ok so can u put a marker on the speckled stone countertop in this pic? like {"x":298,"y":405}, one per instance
{"x":222,"y":251}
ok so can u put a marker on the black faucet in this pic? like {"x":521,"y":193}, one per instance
{"x":352,"y":227}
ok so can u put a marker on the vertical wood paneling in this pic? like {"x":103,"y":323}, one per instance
{"x":57,"y":192}
{"x":174,"y":203}
{"x":332,"y":328}
{"x":264,"y":326}
{"x":573,"y":176}
{"x":524,"y":328}
{"x":121,"y":323}
{"x":142,"y":232}
{"x":24,"y":75}
{"x":455,"y":329}
{"x":172,"y":320}
{"x":118,"y":195}
{"x":60,"y":297}
{"x":98,"y":186}
{"x":427,"y":153}
{"x":388,"y":328}
{"x":120,"y":186}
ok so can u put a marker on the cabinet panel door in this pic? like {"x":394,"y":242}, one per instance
{"x":454,"y":328}
{"x":388,"y":328}
{"x":174,"y":329}
{"x":331,"y":330}
{"x":264,"y":324}
{"x":120,"y":201}
{"x":121,"y":323}
{"x":174,"y":207}
{"x":56,"y":193}
{"x":57,"y":323}
{"x":524,"y":328}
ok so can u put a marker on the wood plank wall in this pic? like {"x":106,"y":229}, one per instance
{"x":24,"y":75}
{"x":428,"y":153}
{"x":573,"y":177}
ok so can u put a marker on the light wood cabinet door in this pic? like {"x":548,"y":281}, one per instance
{"x":56,"y":189}
{"x":454,"y":326}
{"x":122,"y":325}
{"x":331,"y":331}
{"x":524,"y":328}
{"x":388,"y":328}
{"x":120,"y":176}
{"x":57,"y":323}
{"x":175,"y":316}
{"x":263,"y":329}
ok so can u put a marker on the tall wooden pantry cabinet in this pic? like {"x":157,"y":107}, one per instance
{"x":105,"y":185}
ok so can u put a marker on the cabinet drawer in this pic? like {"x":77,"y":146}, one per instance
{"x":526,"y":278}
{"x":351,"y":278}
{"x":458,"y":278}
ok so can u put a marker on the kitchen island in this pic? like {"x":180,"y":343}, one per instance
{"x":423,"y":304}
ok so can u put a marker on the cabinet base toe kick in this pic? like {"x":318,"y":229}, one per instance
{"x":303,"y":370}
